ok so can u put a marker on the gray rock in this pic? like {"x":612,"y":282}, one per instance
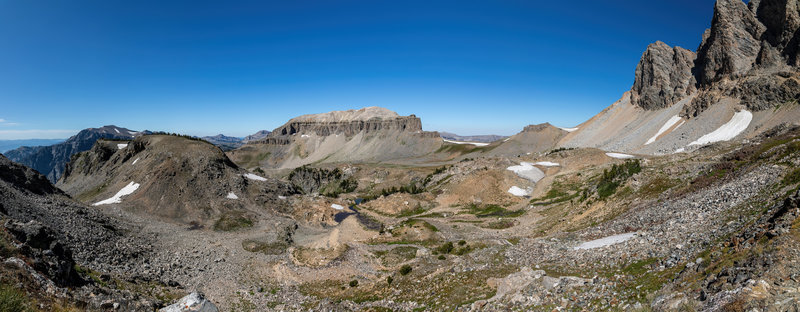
{"x":194,"y":302}
{"x":663,"y":76}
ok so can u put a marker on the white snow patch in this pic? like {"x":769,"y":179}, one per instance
{"x":729,"y":130}
{"x":605,"y":241}
{"x":569,"y":129}
{"x":254,"y":177}
{"x":516,"y":191}
{"x":281,"y":197}
{"x":117,"y":130}
{"x":547,"y":164}
{"x":305,"y":136}
{"x":671,"y":122}
{"x":620,"y":156}
{"x":134,"y":162}
{"x":117,"y":198}
{"x":506,"y":139}
{"x":337,"y":207}
{"x":121,"y":146}
{"x":528,"y":171}
{"x":471,"y":143}
{"x":680,"y":150}
{"x":231,"y":195}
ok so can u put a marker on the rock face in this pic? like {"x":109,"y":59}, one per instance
{"x":369,"y":134}
{"x":732,"y":44}
{"x":50,"y":160}
{"x":663,"y":76}
{"x":178,"y":178}
{"x":47,"y":254}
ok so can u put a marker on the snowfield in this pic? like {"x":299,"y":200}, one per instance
{"x":729,"y":130}
{"x":671,"y":122}
{"x":569,"y":129}
{"x":121,"y":146}
{"x":620,"y":156}
{"x":516,"y":191}
{"x":547,"y":164}
{"x":605,"y":241}
{"x":134,"y":162}
{"x":337,"y":207}
{"x":254,"y":177}
{"x":117,"y":198}
{"x":527,"y":171}
{"x":471,"y":143}
{"x":231,"y":195}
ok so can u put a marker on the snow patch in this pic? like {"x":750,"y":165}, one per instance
{"x":305,"y":136}
{"x":680,"y":150}
{"x":506,"y":139}
{"x":134,"y":161}
{"x":337,"y":207}
{"x":526,"y":170}
{"x":620,"y":156}
{"x":605,"y":241}
{"x":117,"y":130}
{"x":671,"y":122}
{"x":254,"y":177}
{"x":569,"y":129}
{"x":471,"y":143}
{"x":281,"y":197}
{"x":547,"y":164}
{"x":729,"y":130}
{"x":516,"y":191}
{"x":231,"y":195}
{"x":121,"y":146}
{"x":117,"y":198}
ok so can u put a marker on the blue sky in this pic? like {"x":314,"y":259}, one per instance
{"x":233,"y":67}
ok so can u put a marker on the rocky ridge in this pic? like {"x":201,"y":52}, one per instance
{"x":51,"y":160}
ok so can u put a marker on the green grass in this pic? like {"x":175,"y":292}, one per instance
{"x":423,"y":223}
{"x":792,"y":178}
{"x":274,"y":248}
{"x":232,"y":221}
{"x":12,"y":299}
{"x":492,"y":211}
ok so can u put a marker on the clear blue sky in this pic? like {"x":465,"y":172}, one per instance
{"x":232,"y":67}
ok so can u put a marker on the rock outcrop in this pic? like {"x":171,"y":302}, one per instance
{"x":50,"y":160}
{"x":194,"y":302}
{"x":663,"y":77}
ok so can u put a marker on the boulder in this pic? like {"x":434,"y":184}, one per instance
{"x":194,"y":302}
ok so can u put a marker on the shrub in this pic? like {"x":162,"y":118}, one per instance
{"x":405,"y":269}
{"x":389,"y":280}
{"x":462,"y":242}
{"x":445,"y":248}
{"x":441,"y":257}
{"x":353,"y":283}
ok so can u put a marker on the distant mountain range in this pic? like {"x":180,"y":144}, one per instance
{"x":50,"y":160}
{"x":7,"y":145}
{"x":224,"y":142}
{"x":488,"y":138}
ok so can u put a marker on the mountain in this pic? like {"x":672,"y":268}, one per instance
{"x":471,"y":138}
{"x":256,"y":136}
{"x":742,"y":81}
{"x":7,"y":145}
{"x":226,"y":143}
{"x":371,"y":134}
{"x":50,"y":160}
{"x":175,"y":178}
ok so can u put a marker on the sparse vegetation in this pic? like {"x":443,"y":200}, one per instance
{"x":492,"y":211}
{"x":13,"y":299}
{"x":405,"y":269}
{"x":273,"y":248}
{"x":614,"y":177}
{"x":232,"y":221}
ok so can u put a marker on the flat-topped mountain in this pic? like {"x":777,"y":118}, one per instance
{"x":224,"y":142}
{"x":50,"y":160}
{"x":371,"y":134}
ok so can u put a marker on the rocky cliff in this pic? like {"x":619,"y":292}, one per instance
{"x":663,"y":76}
{"x":256,"y":136}
{"x":367,"y":134}
{"x":50,"y":160}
